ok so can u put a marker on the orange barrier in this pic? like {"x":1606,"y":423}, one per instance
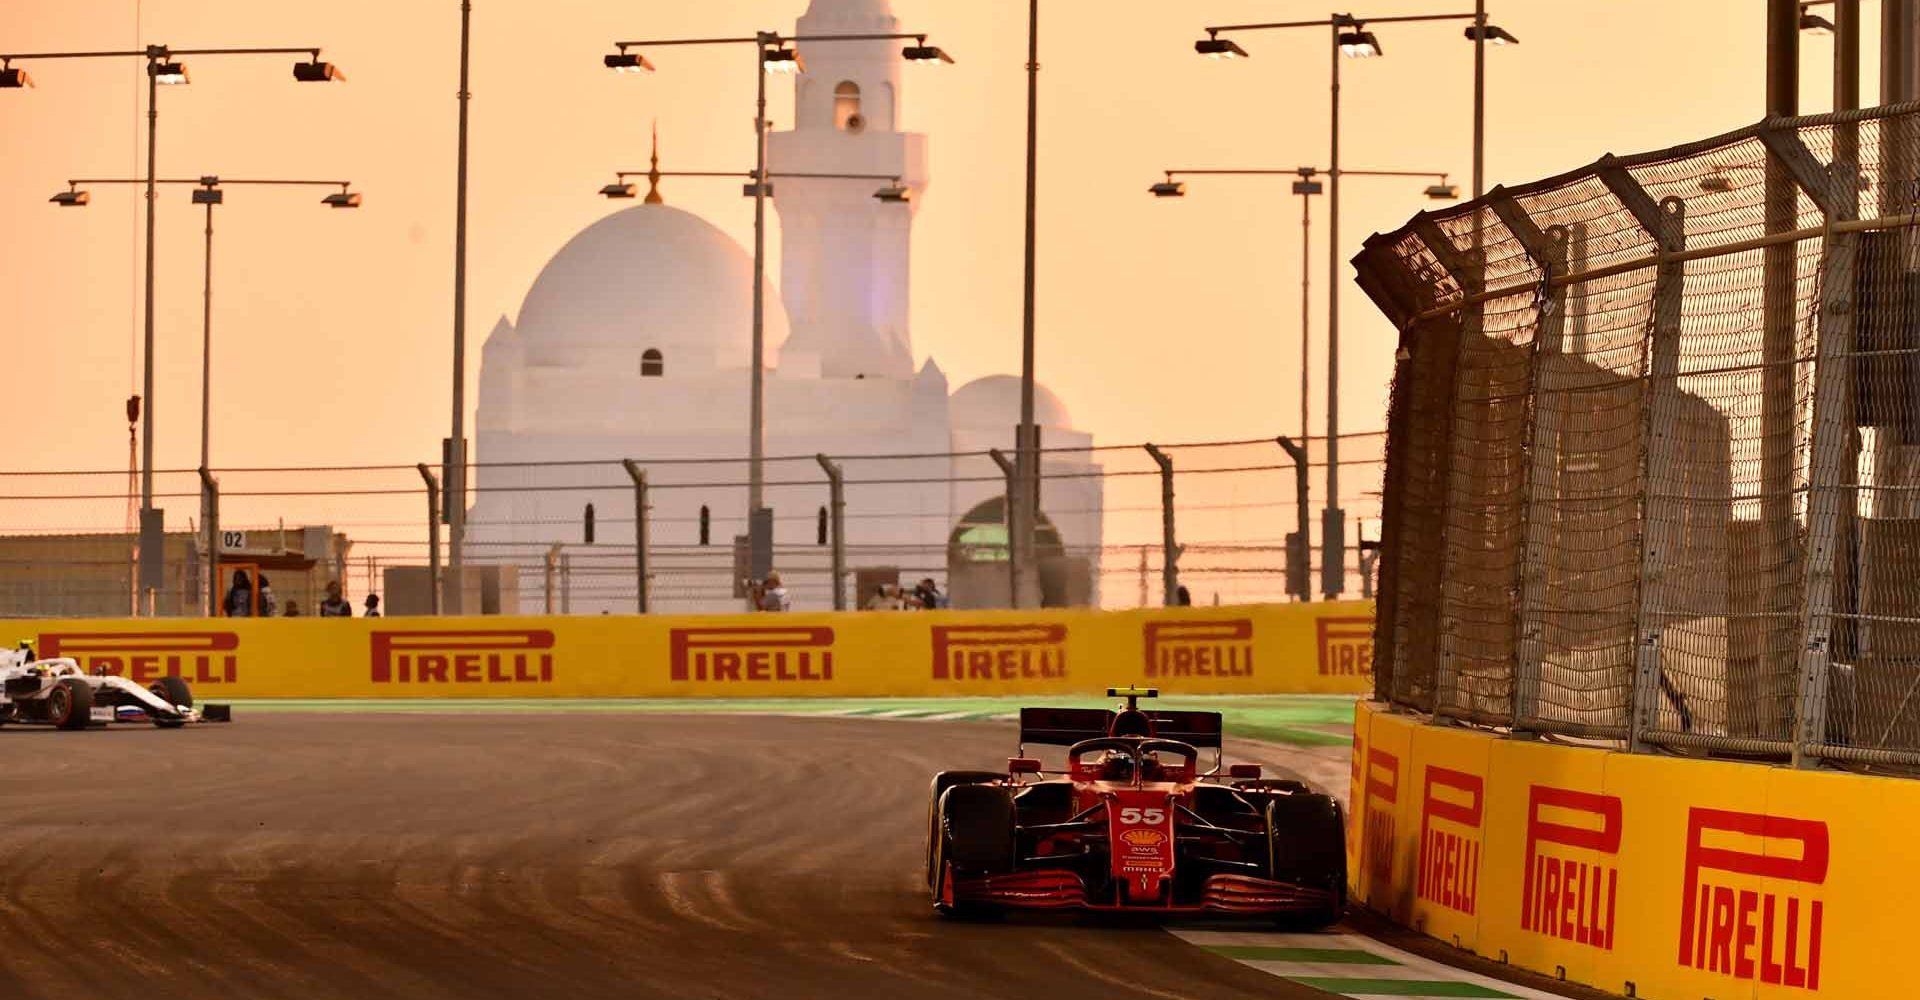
{"x":1639,"y":875}
{"x":1260,"y":649}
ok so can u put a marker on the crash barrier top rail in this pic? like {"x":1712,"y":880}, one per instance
{"x":1654,"y":445}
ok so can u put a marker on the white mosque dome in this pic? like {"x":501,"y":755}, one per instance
{"x":649,"y":278}
{"x":994,"y":402}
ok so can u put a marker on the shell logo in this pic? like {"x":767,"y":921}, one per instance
{"x":1141,"y":837}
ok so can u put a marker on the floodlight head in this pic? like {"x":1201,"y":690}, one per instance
{"x":1814,"y":23}
{"x":208,"y":194}
{"x":1168,"y":188}
{"x":1496,"y":35}
{"x":1219,"y":48}
{"x":316,"y":71}
{"x":924,"y":53}
{"x":894,"y":194}
{"x":620,"y":190}
{"x":71,"y":198}
{"x":628,"y":62}
{"x":750,"y":189}
{"x":1443,"y":191}
{"x":782,"y":60}
{"x":168,"y":74}
{"x":1306,"y":185}
{"x":1360,"y":44}
{"x":342,"y":199}
{"x":14,"y":79}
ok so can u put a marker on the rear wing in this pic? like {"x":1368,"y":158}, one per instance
{"x":1066,"y":726}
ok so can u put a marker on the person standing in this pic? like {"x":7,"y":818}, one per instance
{"x":775,"y":597}
{"x":268,"y":605}
{"x":239,"y":599}
{"x":373,"y":606}
{"x":335,"y":606}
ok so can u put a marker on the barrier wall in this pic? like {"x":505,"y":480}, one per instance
{"x":1285,"y":648}
{"x":1658,"y":877}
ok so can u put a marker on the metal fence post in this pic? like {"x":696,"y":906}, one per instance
{"x":1660,"y":533}
{"x":1299,"y":554}
{"x":641,"y":539}
{"x":837,"y":525}
{"x":549,"y":572}
{"x":566,"y":583}
{"x":433,"y":534}
{"x":1549,"y":253}
{"x":1010,"y":470}
{"x":1836,"y":192}
{"x":210,"y":505}
{"x":1169,"y":550}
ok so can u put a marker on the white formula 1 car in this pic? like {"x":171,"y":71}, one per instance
{"x":57,"y":692}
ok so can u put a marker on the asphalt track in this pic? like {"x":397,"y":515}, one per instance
{"x":532,"y":855}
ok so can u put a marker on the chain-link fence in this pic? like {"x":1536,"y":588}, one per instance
{"x":1652,"y":447}
{"x":69,"y":540}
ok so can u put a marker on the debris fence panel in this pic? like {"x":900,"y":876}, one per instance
{"x":1653,"y":457}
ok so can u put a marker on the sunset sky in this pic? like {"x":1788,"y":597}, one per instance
{"x":1158,"y":320}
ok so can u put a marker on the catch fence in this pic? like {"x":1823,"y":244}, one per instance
{"x":1654,"y":446}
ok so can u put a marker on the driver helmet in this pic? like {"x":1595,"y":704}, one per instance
{"x":1117,"y":765}
{"x":1150,"y":769}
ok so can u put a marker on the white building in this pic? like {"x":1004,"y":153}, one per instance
{"x":634,"y":342}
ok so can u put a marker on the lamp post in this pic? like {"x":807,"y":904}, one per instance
{"x":1306,"y":187}
{"x":209,"y":191}
{"x":773,"y":53}
{"x":163,"y":68}
{"x":1351,"y":39}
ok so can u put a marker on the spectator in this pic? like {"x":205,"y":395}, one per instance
{"x":293,"y":608}
{"x":929,"y":595}
{"x":373,"y":606}
{"x":878,"y":602}
{"x":335,"y":606}
{"x":239,"y":601}
{"x":1182,"y":597}
{"x":268,"y":606}
{"x":775,"y":597}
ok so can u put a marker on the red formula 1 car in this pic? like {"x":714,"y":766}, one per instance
{"x":1133,"y":824}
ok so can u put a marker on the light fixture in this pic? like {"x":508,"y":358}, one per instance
{"x":1306,"y":185}
{"x":749,"y":190}
{"x":925,"y":53}
{"x":1814,"y":23}
{"x":1359,"y":44}
{"x":13,"y":79}
{"x":620,"y":190}
{"x":208,"y":194}
{"x":1496,"y":35}
{"x":1168,"y":188}
{"x":782,"y":60}
{"x":317,"y":72}
{"x":1443,"y":191}
{"x":1219,"y":48}
{"x":71,"y":198}
{"x":628,"y":62}
{"x":170,"y":74}
{"x":895,"y":193}
{"x":343,"y":199}
{"x":1716,"y":183}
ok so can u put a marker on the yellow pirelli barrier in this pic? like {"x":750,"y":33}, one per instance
{"x":1303,"y":648}
{"x":1645,"y":876}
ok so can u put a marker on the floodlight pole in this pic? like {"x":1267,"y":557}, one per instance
{"x":456,"y":486}
{"x":1021,"y":517}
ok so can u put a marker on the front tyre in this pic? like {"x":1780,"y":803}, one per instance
{"x":976,"y":837}
{"x":173,"y":691}
{"x":1307,"y":838}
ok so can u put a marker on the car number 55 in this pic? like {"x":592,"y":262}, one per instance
{"x":1143,"y":817}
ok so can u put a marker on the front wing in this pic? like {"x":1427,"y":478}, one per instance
{"x":1059,"y":888}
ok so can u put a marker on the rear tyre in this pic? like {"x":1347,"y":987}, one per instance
{"x":976,"y":837}
{"x":70,"y":704}
{"x":174,"y":691}
{"x":1307,"y":836}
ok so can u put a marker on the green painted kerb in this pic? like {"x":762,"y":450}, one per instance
{"x":1399,"y":987}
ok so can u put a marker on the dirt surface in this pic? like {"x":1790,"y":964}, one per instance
{"x":578,"y":856}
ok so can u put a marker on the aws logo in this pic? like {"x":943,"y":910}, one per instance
{"x":144,"y":657}
{"x":468,"y":656}
{"x":1450,"y":845}
{"x":1733,"y":920}
{"x":999,"y":652}
{"x":1346,"y":646}
{"x":1200,"y":649}
{"x":752,"y":653}
{"x":1566,"y":892}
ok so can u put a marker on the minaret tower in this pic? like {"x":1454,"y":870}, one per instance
{"x":844,"y":254}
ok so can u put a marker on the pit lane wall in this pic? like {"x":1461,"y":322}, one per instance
{"x":1643,"y":876}
{"x":1260,"y":649}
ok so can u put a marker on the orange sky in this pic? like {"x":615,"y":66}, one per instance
{"x":1158,"y":320}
